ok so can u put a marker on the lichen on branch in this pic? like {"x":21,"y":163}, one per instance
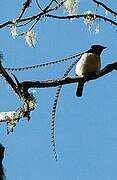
{"x":13,"y":117}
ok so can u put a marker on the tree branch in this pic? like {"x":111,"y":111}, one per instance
{"x":8,"y":79}
{"x":82,"y":15}
{"x":26,"y":4}
{"x":105,"y":7}
{"x":12,"y":117}
{"x":31,"y":18}
{"x":2,"y":149}
{"x":7,"y":23}
{"x":68,"y":80}
{"x":45,"y":13}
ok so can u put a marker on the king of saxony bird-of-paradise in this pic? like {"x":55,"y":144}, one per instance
{"x":88,"y":64}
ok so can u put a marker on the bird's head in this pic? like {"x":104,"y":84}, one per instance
{"x":97,"y":49}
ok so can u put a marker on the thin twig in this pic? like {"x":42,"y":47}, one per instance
{"x":26,"y":4}
{"x":80,"y":16}
{"x":105,"y":7}
{"x":38,"y":5}
{"x":39,"y":15}
{"x":46,"y":14}
{"x":33,"y":24}
{"x":5,"y":24}
{"x":7,"y":78}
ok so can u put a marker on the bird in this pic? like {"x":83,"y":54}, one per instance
{"x":88,"y":64}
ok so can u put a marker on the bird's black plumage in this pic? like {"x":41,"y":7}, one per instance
{"x":96,"y":49}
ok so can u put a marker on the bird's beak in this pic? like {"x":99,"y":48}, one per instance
{"x":104,"y":47}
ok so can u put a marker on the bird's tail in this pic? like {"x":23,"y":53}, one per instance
{"x":79,"y":90}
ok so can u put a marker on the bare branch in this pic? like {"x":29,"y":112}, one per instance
{"x":48,"y":6}
{"x":31,"y":18}
{"x":5,"y":24}
{"x":38,"y":5}
{"x":46,"y":13}
{"x":8,"y":79}
{"x":2,"y":149}
{"x":68,"y":80}
{"x":81,"y":16}
{"x":12,"y":117}
{"x":106,"y":19}
{"x":26,"y":4}
{"x":43,"y":13}
{"x":105,"y":7}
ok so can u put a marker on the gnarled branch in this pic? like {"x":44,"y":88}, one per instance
{"x":67,"y":80}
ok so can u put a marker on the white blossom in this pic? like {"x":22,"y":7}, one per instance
{"x":71,"y":6}
{"x":13,"y":117}
{"x":97,"y":29}
{"x":106,"y":12}
{"x":89,"y":17}
{"x":30,"y":38}
{"x":14,"y":32}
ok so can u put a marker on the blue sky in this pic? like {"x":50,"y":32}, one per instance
{"x":86,"y":128}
